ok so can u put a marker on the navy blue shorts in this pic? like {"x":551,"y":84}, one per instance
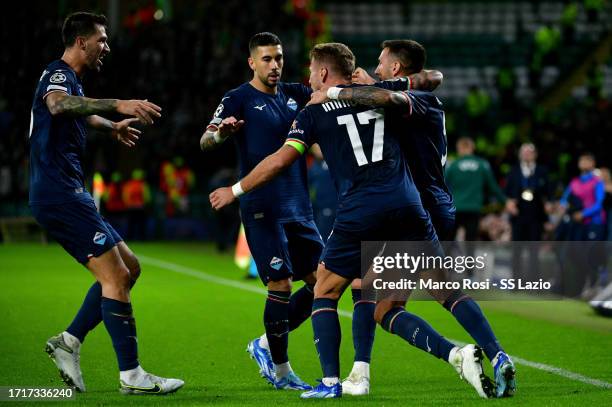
{"x":443,"y":219}
{"x":78,"y":227}
{"x":284,"y":250}
{"x":342,"y":253}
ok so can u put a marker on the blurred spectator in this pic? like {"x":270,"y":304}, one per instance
{"x":529,"y":194}
{"x":184,"y":182}
{"x":114,"y":207}
{"x":583,"y":199}
{"x":176,"y":181}
{"x":607,"y":180}
{"x":136,"y":195}
{"x":470,"y":179}
{"x":323,"y":193}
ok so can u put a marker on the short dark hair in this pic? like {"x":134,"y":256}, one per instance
{"x":410,"y":53}
{"x":263,"y":39}
{"x":588,"y":154}
{"x":80,"y":24}
{"x":338,"y":56}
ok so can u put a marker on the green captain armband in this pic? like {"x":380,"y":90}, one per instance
{"x":299,"y":145}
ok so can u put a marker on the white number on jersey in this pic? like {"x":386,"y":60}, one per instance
{"x":379,"y":133}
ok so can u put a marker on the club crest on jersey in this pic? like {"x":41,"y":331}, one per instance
{"x":292,"y":104}
{"x":99,"y":238}
{"x":57,"y":77}
{"x":276,"y":263}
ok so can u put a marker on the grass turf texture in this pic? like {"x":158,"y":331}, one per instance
{"x":198,"y":330}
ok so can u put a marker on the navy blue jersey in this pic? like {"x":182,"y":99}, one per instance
{"x":267,"y":120}
{"x":361,"y":149}
{"x":57,"y":143}
{"x":425,"y":148}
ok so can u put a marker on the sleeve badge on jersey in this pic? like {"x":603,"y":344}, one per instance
{"x":57,"y":77}
{"x":219,"y":110}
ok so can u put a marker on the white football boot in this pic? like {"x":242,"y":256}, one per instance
{"x":64,"y":351}
{"x":358,"y":382}
{"x":137,"y":381}
{"x":467,"y":361}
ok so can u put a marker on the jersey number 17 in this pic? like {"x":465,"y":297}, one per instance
{"x":348,"y":120}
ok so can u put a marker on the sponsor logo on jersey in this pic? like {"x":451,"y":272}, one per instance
{"x":99,"y":238}
{"x":294,"y":129}
{"x":260,"y":108}
{"x":292,"y":104}
{"x":276,"y":263}
{"x":57,"y":77}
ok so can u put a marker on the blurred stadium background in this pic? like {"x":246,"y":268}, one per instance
{"x":514,"y":72}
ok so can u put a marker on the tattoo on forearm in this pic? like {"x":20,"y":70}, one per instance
{"x":367,"y":95}
{"x":373,"y":96}
{"x":82,"y":106}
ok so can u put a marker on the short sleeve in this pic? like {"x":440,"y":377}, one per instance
{"x":59,"y":80}
{"x":301,"y":133}
{"x":299,"y":92}
{"x":419,"y":103}
{"x":229,"y":106}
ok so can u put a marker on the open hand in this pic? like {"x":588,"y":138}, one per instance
{"x":143,"y":110}
{"x":221,"y":197}
{"x":126,"y":134}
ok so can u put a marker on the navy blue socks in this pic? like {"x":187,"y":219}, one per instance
{"x":276,"y":322}
{"x":327,"y":335}
{"x":89,"y":315}
{"x":121,"y":327}
{"x":300,"y":306}
{"x":364,"y":327}
{"x":467,"y":312}
{"x":417,"y":332}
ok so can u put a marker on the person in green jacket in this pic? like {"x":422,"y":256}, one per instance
{"x":470,"y":179}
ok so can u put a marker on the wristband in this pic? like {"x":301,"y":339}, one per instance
{"x":237,"y":190}
{"x":333,"y":92}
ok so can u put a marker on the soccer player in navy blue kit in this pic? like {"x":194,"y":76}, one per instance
{"x":278,"y":219}
{"x":61,"y":204}
{"x":425,"y":149}
{"x":377,"y":201}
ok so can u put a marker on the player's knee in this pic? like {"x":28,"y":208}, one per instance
{"x":280,"y":285}
{"x":133,"y":266}
{"x":382,"y":308}
{"x":326,"y":291}
{"x":120,"y":277}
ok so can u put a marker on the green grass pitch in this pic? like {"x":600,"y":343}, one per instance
{"x":197,"y":327}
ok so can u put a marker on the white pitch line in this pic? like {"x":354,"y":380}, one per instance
{"x":177,"y":268}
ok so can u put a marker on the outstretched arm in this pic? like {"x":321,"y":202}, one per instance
{"x":121,"y":131}
{"x":60,"y":103}
{"x":215,"y":135}
{"x":263,"y":173}
{"x":362,"y":95}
